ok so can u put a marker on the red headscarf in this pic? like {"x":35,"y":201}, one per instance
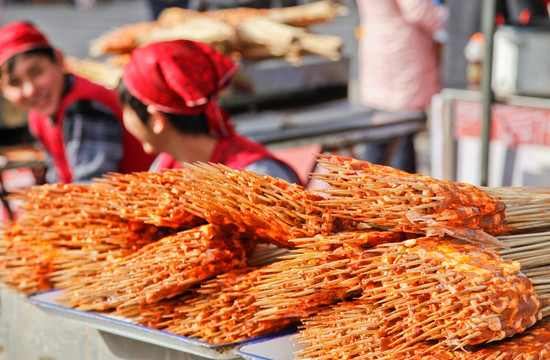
{"x":18,"y":37}
{"x":182,"y":77}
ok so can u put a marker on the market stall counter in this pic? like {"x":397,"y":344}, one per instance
{"x":334,"y":125}
{"x":519,"y":139}
{"x":125,"y":260}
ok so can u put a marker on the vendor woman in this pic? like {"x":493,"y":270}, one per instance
{"x":78,"y":123}
{"x":169,"y":95}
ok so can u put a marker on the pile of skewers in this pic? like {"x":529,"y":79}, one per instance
{"x":240,"y":33}
{"x":247,"y":31}
{"x":381,"y":264}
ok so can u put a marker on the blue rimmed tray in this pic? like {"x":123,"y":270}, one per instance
{"x":280,"y":347}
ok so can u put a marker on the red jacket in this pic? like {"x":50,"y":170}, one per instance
{"x":234,"y":151}
{"x":50,"y":134}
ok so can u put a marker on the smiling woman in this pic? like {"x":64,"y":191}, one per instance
{"x":34,"y":80}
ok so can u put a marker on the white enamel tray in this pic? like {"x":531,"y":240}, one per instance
{"x":117,"y":325}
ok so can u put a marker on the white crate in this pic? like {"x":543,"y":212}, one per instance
{"x":521,"y":61}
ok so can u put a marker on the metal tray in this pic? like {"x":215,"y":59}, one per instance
{"x":118,"y":326}
{"x":274,"y":348}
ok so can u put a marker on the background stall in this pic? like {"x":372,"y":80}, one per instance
{"x":496,"y":133}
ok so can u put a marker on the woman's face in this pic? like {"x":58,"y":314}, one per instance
{"x":149,"y":140}
{"x":35,"y":83}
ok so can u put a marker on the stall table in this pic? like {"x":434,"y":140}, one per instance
{"x":25,"y":323}
{"x":520,"y":129}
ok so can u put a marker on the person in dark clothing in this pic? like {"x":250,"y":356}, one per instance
{"x":157,"y":6}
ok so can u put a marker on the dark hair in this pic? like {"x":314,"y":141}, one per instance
{"x":46,"y":52}
{"x":194,"y":124}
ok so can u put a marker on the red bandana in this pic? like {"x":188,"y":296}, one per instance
{"x":181,"y":77}
{"x":18,"y":37}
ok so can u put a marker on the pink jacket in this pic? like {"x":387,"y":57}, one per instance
{"x":398,"y":59}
